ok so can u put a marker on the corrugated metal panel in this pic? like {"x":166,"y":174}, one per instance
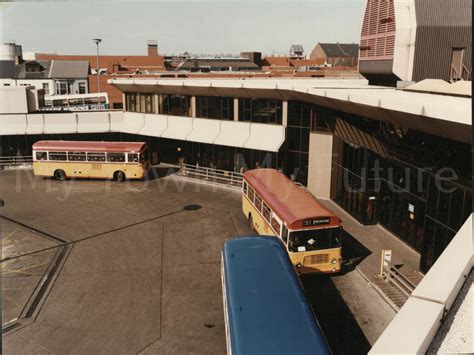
{"x":441,"y":26}
{"x":378,"y":31}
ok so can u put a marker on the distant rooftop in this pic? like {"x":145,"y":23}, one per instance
{"x":340,"y":49}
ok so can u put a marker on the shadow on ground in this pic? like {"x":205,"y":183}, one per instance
{"x":159,"y":172}
{"x":342,"y":331}
{"x":353,"y":252}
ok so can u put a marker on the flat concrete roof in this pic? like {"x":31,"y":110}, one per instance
{"x":443,"y":115}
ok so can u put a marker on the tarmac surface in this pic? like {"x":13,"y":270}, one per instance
{"x":93,"y":266}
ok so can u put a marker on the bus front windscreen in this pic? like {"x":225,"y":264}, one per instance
{"x":314,"y":239}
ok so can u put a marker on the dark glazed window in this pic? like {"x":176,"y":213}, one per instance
{"x":276,"y":226}
{"x":260,"y":110}
{"x":175,"y":105}
{"x":58,"y":156}
{"x":41,"y":156}
{"x":266,"y":212}
{"x":116,"y":157}
{"x":76,"y":156}
{"x":251,"y":194}
{"x":132,"y":158}
{"x":95,"y":157}
{"x":215,"y":107}
{"x":258,"y":203}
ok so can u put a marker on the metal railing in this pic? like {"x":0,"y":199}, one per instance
{"x":17,"y":160}
{"x":401,"y":282}
{"x":212,"y":175}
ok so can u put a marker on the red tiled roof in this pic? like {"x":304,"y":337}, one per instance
{"x":112,"y":62}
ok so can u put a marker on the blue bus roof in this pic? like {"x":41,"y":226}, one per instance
{"x":267,"y":308}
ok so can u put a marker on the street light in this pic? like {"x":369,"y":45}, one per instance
{"x":97,"y":41}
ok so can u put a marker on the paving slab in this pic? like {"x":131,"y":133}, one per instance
{"x":20,"y":277}
{"x":143,"y":275}
{"x":374,"y":238}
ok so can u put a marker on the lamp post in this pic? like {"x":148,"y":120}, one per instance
{"x":97,"y":41}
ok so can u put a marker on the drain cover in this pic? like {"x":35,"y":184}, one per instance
{"x":192,"y":207}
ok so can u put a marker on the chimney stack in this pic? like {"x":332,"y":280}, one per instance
{"x":152,"y":48}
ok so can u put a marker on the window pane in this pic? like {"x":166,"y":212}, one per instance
{"x":276,"y":226}
{"x":251,"y":194}
{"x":96,"y":156}
{"x":41,"y":156}
{"x":58,"y":156}
{"x":76,"y":156}
{"x":116,"y":157}
{"x":132,"y":158}
{"x":266,"y":212}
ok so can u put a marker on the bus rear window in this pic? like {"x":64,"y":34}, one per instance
{"x":76,"y":156}
{"x":116,"y":157}
{"x":57,"y":156}
{"x":41,"y":156}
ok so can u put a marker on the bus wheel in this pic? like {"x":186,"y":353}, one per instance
{"x":120,"y":176}
{"x":252,"y":227}
{"x":60,"y":175}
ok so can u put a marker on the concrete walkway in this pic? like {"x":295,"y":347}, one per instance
{"x":367,"y":243}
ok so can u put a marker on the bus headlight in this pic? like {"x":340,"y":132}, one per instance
{"x":299,"y":265}
{"x":334,"y":261}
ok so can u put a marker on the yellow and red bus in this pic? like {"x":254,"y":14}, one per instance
{"x":275,"y":206}
{"x":101,"y":160}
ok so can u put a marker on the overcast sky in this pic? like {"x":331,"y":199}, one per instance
{"x":198,"y":27}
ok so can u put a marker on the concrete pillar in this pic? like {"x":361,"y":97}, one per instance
{"x":124,"y":102}
{"x":160,"y":102}
{"x":284,"y":113}
{"x":320,"y":163}
{"x":156,"y":99}
{"x":193,"y":106}
{"x":236,"y":108}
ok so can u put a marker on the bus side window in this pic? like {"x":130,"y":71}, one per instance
{"x":76,"y":156}
{"x":41,"y":156}
{"x":266,"y":213}
{"x":276,"y":226}
{"x":116,"y":157}
{"x":251,"y":194}
{"x":258,"y":203}
{"x":95,"y":156}
{"x":284,"y":235}
{"x":132,"y":158}
{"x":58,"y":156}
{"x":245,"y":188}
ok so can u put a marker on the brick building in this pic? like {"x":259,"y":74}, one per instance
{"x":336,"y":54}
{"x":113,"y":65}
